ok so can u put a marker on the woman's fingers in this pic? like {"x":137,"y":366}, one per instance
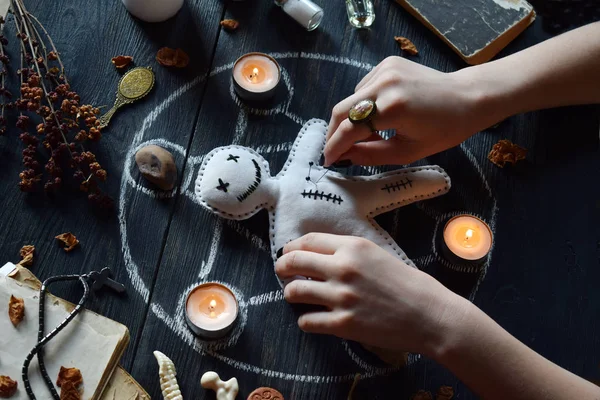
{"x":343,"y":138}
{"x":302,"y":291}
{"x":324,"y":322}
{"x":340,"y":111}
{"x":302,"y":263}
{"x":324,"y":243}
{"x":394,"y":151}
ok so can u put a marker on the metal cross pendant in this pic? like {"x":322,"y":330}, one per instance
{"x":103,"y":278}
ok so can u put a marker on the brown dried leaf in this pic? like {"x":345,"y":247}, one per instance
{"x":8,"y":387}
{"x":121,"y":61}
{"x":506,"y":151}
{"x":230,"y":24}
{"x":406,"y":45}
{"x":422,"y":395}
{"x":69,"y":240}
{"x":69,"y":391}
{"x":172,"y":57}
{"x":444,"y":393}
{"x":16,"y":310}
{"x":72,"y":375}
{"x":26,"y":253}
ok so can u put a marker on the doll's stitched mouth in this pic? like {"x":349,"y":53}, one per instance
{"x":254,"y":186}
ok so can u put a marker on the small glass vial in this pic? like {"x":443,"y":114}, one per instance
{"x":305,"y":12}
{"x":361,"y":13}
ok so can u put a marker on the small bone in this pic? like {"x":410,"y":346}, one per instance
{"x":225,"y":390}
{"x":168,"y":381}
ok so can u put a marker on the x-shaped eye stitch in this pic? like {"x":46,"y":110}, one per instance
{"x":223,"y":185}
{"x":233,"y":158}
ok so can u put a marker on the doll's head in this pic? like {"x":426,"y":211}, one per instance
{"x":231,"y":181}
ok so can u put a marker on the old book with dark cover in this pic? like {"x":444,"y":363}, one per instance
{"x":475,"y":29}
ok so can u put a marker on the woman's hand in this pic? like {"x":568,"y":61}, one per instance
{"x":369,"y":295}
{"x":431,"y":111}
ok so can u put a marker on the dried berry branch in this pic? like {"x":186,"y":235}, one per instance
{"x":65,"y":123}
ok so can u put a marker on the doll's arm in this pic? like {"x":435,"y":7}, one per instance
{"x":384,"y":192}
{"x":308,"y":145}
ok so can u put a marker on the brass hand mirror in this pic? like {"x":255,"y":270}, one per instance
{"x":134,"y":85}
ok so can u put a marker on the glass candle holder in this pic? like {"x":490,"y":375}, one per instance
{"x":305,"y":12}
{"x":361,"y":13}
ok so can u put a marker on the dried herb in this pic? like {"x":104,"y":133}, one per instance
{"x":53,"y":122}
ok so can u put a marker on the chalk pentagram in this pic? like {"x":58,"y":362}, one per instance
{"x":175,"y":321}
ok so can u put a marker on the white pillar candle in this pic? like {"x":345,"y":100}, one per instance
{"x":153,"y":10}
{"x":211,"y":310}
{"x":256,"y":76}
{"x":468,"y":237}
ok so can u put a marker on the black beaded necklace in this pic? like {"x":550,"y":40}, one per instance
{"x":99,"y":279}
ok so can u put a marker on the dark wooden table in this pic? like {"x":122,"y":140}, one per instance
{"x":541,"y":284}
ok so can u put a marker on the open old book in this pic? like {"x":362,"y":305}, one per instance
{"x":90,"y":342}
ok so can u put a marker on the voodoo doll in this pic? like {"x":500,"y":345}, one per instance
{"x":304,"y":197}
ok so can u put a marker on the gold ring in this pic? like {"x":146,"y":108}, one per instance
{"x":363,"y":113}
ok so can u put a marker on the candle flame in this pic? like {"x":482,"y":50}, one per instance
{"x":212,"y":305}
{"x":468,"y":234}
{"x":254,"y":76}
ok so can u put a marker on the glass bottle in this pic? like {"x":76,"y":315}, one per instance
{"x":361,"y":13}
{"x":305,"y":12}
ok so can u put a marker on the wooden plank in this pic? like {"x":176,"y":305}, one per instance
{"x":86,"y":49}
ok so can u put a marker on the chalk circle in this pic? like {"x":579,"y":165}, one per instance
{"x":176,"y":322}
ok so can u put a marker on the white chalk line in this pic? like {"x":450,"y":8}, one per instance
{"x":131,"y":267}
{"x":207,"y":266}
{"x":269,"y":297}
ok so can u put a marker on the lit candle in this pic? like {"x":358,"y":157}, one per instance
{"x":211,"y":310}
{"x":255,"y":76}
{"x":467,"y":240}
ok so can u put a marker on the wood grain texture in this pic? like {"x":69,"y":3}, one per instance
{"x":545,"y":262}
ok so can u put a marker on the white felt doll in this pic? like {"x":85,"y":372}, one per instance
{"x":304,"y":197}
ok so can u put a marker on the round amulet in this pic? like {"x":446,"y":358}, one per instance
{"x":265,"y":393}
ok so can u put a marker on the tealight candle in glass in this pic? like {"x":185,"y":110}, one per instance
{"x":305,"y":12}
